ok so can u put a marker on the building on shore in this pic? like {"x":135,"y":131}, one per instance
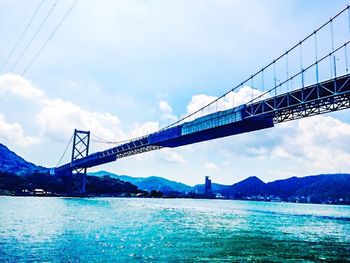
{"x":39,"y":192}
{"x":207,"y":187}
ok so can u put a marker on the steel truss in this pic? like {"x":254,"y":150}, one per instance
{"x":138,"y":150}
{"x":331,"y":95}
{"x":327,"y":96}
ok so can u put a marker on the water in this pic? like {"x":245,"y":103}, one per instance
{"x":170,"y":230}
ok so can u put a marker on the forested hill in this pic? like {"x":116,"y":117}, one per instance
{"x":11,"y":163}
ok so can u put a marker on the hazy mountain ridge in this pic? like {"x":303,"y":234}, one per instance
{"x":316,"y":188}
{"x":11,"y":163}
{"x":17,"y":175}
{"x":251,"y":185}
{"x":149,"y":183}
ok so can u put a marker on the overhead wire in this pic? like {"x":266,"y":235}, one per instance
{"x":50,"y":37}
{"x":35,"y":34}
{"x":45,"y":43}
{"x":22,"y":35}
{"x":29,"y":43}
{"x":40,"y":49}
{"x":178,"y":121}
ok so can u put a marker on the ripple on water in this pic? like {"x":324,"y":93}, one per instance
{"x":117,"y":229}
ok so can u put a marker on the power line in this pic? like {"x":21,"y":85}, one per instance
{"x":35,"y":34}
{"x":45,"y":43}
{"x":5,"y":95}
{"x":22,"y":35}
{"x":50,"y":37}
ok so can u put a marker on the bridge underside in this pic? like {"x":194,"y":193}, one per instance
{"x":320,"y":98}
{"x":235,"y":128}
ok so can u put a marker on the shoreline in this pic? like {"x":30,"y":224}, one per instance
{"x":164,"y":197}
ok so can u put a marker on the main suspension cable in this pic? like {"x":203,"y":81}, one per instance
{"x":65,"y":150}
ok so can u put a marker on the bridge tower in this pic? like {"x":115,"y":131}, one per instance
{"x":81,"y":142}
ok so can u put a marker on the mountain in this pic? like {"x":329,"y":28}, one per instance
{"x":13,"y":164}
{"x":149,"y":183}
{"x":315,"y":188}
{"x":17,"y":175}
{"x":250,"y":186}
{"x":330,"y":188}
{"x":12,"y":184}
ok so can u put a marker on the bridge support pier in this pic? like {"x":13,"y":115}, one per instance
{"x":81,"y":142}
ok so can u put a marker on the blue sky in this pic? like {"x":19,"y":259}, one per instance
{"x":121,"y":68}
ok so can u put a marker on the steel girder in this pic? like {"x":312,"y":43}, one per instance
{"x":331,"y":95}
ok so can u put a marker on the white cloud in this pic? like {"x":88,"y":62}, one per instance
{"x":313,"y":143}
{"x":257,"y":151}
{"x":232,"y":99}
{"x":192,"y":47}
{"x":280,"y":152}
{"x":167,"y":110}
{"x":243,"y":95}
{"x":172,"y":156}
{"x":143,"y":129}
{"x":211,"y":166}
{"x":13,"y":133}
{"x":58,"y":119}
{"x":320,"y":142}
{"x":165,"y":107}
{"x":20,"y":87}
{"x":199,"y":101}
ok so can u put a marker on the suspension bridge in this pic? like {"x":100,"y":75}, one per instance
{"x":310,"y":78}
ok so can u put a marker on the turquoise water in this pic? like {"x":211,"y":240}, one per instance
{"x":170,"y":230}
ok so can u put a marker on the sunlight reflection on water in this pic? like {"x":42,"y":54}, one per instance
{"x":117,"y":229}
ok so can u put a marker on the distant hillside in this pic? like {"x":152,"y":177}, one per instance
{"x":16,"y":174}
{"x":250,"y":186}
{"x":13,"y":164}
{"x":329,"y":188}
{"x":149,"y":183}
{"x":11,"y":184}
{"x":315,"y":187}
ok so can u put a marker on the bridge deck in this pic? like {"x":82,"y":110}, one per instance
{"x":320,"y":98}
